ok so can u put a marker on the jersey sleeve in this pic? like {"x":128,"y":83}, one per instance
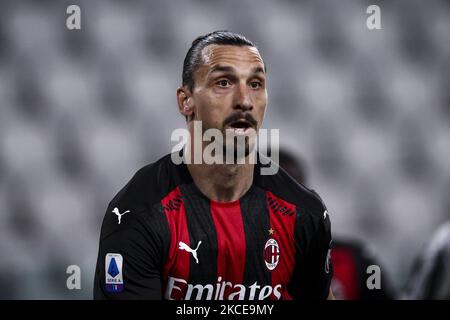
{"x":131,"y":255}
{"x":319,"y":257}
{"x":313,"y":272}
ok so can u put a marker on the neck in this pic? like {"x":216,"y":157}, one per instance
{"x":219,"y":182}
{"x":222,"y":182}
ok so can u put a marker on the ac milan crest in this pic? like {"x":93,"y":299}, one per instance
{"x":271,"y":254}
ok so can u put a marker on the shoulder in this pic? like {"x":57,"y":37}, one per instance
{"x":283,"y":186}
{"x":136,"y":203}
{"x":148,"y":185}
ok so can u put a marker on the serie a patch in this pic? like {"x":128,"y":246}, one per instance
{"x":114,"y":272}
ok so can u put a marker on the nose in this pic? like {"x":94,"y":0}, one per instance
{"x":243,"y":99}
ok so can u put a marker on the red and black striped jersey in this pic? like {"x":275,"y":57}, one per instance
{"x":162,"y":238}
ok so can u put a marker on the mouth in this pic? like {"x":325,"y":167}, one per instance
{"x":240,"y":126}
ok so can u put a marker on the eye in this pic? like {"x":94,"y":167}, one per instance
{"x":255,"y":84}
{"x":223,"y":83}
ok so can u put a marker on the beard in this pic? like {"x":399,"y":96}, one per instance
{"x":239,"y":130}
{"x":237,"y":147}
{"x":234,"y":141}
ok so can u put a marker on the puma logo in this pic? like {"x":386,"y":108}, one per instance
{"x":184,"y":246}
{"x":118,"y":214}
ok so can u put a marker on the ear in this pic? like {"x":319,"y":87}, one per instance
{"x":185,"y":102}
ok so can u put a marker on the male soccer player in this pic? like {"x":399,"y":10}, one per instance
{"x":216,"y":231}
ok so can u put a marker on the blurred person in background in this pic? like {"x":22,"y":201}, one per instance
{"x":350,"y":258}
{"x":430,"y":275}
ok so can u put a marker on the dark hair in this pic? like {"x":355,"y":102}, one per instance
{"x":193,"y":59}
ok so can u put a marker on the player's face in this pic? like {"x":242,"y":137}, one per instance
{"x":230,"y":89}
